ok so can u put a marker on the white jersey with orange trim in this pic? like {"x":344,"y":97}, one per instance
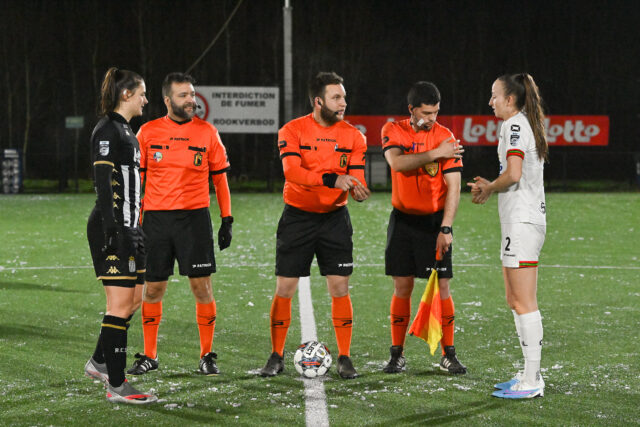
{"x":523,"y":201}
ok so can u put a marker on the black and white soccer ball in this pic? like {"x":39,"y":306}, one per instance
{"x":312,"y":359}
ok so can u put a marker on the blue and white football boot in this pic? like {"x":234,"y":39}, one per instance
{"x":513,"y":381}
{"x":521,"y":390}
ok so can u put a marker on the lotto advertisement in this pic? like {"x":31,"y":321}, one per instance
{"x":578,"y":131}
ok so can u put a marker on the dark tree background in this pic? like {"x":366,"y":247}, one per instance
{"x":584,"y":56}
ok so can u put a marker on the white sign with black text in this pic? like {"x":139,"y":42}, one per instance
{"x":240,"y":109}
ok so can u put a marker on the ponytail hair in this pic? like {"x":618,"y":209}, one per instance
{"x":527,"y":97}
{"x":114,"y":83}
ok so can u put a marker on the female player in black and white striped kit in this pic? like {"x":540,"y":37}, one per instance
{"x":115,"y":241}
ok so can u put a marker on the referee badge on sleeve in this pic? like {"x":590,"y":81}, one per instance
{"x":343,"y":161}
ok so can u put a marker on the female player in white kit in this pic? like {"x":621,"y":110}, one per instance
{"x":522,"y":151}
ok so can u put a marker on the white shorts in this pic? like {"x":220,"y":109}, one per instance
{"x":521,"y":244}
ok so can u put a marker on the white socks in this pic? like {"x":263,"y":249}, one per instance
{"x":516,"y":320}
{"x":529,"y":328}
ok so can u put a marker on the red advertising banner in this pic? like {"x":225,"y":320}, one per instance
{"x":576,"y":131}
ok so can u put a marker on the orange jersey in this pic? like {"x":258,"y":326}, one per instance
{"x":308,"y":151}
{"x":177,"y":160}
{"x":422,"y":191}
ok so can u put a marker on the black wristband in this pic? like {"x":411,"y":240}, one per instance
{"x":227,"y":220}
{"x":329,"y":179}
{"x":446,"y":230}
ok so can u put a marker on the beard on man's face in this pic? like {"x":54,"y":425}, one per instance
{"x":181,"y":112}
{"x":328,"y":115}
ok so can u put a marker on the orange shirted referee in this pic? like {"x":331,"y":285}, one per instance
{"x":323,"y":160}
{"x":426,"y":166}
{"x":179,"y":154}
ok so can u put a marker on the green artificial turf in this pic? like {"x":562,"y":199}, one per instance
{"x":589,"y":295}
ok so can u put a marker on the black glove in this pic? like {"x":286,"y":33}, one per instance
{"x":224,"y":233}
{"x":111,"y":241}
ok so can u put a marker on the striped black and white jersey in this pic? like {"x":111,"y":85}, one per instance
{"x":115,"y":149}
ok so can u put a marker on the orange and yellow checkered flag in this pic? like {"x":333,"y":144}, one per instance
{"x":428,"y":321}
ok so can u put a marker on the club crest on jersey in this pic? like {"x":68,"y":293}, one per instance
{"x":343,"y":161}
{"x":432,"y":168}
{"x":132,"y":264}
{"x":157,"y":156}
{"x":197,"y":159}
{"x":104,"y":148}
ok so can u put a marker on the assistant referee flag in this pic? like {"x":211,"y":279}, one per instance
{"x":428,"y":321}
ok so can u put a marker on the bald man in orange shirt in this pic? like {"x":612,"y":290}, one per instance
{"x":323,"y":160}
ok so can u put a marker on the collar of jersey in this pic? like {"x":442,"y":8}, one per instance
{"x":319,"y":126}
{"x":178,"y":123}
{"x":117,"y":117}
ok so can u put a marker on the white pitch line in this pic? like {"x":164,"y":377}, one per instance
{"x":315,"y":399}
{"x":588,"y":267}
{"x":55,"y":267}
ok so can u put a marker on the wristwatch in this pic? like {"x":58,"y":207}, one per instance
{"x":446,"y":230}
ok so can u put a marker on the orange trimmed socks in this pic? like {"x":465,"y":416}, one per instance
{"x":448,"y":324}
{"x":400,"y":315}
{"x":206,"y":319}
{"x":151,"y":316}
{"x":342,"y":316}
{"x":280,"y":321}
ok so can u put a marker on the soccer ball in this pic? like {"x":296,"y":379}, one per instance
{"x":312,"y":359}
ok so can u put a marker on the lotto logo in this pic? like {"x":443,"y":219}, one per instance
{"x":571,"y":131}
{"x":560,"y":130}
{"x":473,"y":132}
{"x":484,"y":129}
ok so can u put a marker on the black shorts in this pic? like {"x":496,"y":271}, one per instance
{"x":127,"y":267}
{"x":301,"y":235}
{"x":411,"y":246}
{"x":185,"y":235}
